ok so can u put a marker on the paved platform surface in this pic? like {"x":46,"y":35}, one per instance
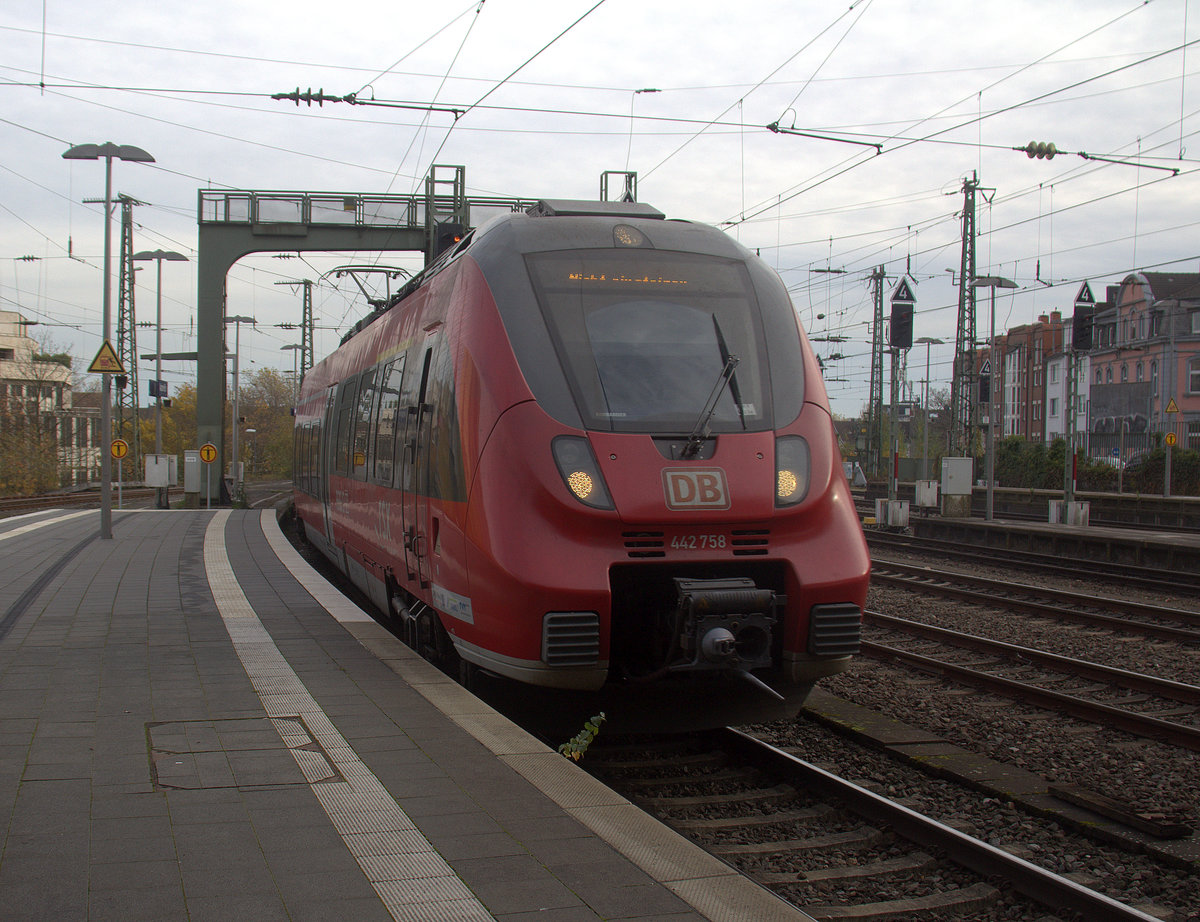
{"x":193,"y":725}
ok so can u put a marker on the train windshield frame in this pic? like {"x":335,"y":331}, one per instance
{"x":645,"y":337}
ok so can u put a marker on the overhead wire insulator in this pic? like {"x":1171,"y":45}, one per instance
{"x":1043,"y":150}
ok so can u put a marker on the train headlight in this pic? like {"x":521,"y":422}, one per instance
{"x":578,"y":468}
{"x":792,"y":466}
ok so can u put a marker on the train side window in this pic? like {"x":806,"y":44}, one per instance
{"x":313,"y":464}
{"x":299,"y":441}
{"x":386,"y":425}
{"x":345,"y":426}
{"x":305,"y":467}
{"x":362,"y":427}
{"x":300,"y":459}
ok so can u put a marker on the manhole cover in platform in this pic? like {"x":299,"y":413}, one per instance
{"x":236,"y":753}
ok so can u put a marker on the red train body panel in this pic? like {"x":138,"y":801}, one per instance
{"x":590,"y":450}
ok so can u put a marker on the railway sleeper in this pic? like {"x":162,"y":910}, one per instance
{"x":961,"y":901}
{"x":781,"y":793}
{"x":821,"y":813}
{"x":862,"y":837}
{"x":747,"y":776}
{"x":905,"y":864}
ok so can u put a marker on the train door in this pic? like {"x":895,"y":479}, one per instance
{"x":325,"y":456}
{"x":414,"y":472}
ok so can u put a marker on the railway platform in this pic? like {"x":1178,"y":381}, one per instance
{"x":1148,"y":547}
{"x":194,"y":725}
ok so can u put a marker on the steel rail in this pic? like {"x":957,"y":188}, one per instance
{"x":920,"y":578}
{"x":1073,"y":568}
{"x":10,"y":507}
{"x":1061,"y":596}
{"x":1037,"y":883}
{"x":1106,"y":715}
{"x":1135,"y":681}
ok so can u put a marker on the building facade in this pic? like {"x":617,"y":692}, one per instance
{"x":47,"y":442}
{"x":1024,"y":355}
{"x":1145,"y":362}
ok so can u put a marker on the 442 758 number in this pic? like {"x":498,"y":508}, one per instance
{"x":698,"y":542}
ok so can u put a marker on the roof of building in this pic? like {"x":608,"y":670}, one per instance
{"x":1172,"y":286}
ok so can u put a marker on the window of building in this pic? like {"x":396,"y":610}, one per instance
{"x":1108,"y":375}
{"x":7,"y":355}
{"x":1099,"y":376}
{"x":1053,"y":407}
{"x":1154,"y":376}
{"x":1195,"y":317}
{"x":1139,"y":371}
{"x":1054,"y":374}
{"x":1124,"y":373}
{"x":1194,"y":375}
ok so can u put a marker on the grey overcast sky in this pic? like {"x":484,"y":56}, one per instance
{"x":556,"y":93}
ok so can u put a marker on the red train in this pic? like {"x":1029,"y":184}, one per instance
{"x":589,"y":449}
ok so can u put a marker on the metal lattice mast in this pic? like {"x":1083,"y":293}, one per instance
{"x":128,"y":425}
{"x":306,"y":332}
{"x":875,"y":410}
{"x":962,"y":415}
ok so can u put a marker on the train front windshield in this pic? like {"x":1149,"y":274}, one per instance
{"x":647,"y":337}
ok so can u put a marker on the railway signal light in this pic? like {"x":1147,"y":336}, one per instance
{"x":900,"y":331}
{"x":448,"y":234}
{"x":1081,"y":328}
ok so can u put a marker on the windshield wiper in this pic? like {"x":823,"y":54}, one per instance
{"x":704,"y":424}
{"x":734,"y":390}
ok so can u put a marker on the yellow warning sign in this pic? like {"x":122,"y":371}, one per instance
{"x":1171,"y":439}
{"x":208,"y":452}
{"x":106,"y":361}
{"x":120,"y":448}
{"x":1172,"y":406}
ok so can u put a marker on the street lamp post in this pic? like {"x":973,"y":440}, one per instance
{"x":237,"y":346}
{"x":993,"y":282}
{"x":294,"y":348}
{"x":928,"y":341}
{"x":158,"y":256}
{"x":107,"y":152}
{"x":253,"y":445}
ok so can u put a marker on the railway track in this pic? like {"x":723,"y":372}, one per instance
{"x":1108,"y":572}
{"x":836,"y":850}
{"x":866,"y":506}
{"x":257,"y":494}
{"x":1140,"y":704}
{"x":1174,"y":624}
{"x":21,"y":505}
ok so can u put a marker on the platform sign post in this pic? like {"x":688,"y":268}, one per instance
{"x":1173,"y":410}
{"x":900,"y":330}
{"x":208,"y":454}
{"x":1081,"y":330}
{"x":119,"y":449}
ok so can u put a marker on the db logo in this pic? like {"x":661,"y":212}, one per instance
{"x":690,"y":488}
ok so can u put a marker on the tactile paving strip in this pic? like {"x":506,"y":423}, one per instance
{"x":411,"y":878}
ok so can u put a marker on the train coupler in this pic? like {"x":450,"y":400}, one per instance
{"x":724,"y":624}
